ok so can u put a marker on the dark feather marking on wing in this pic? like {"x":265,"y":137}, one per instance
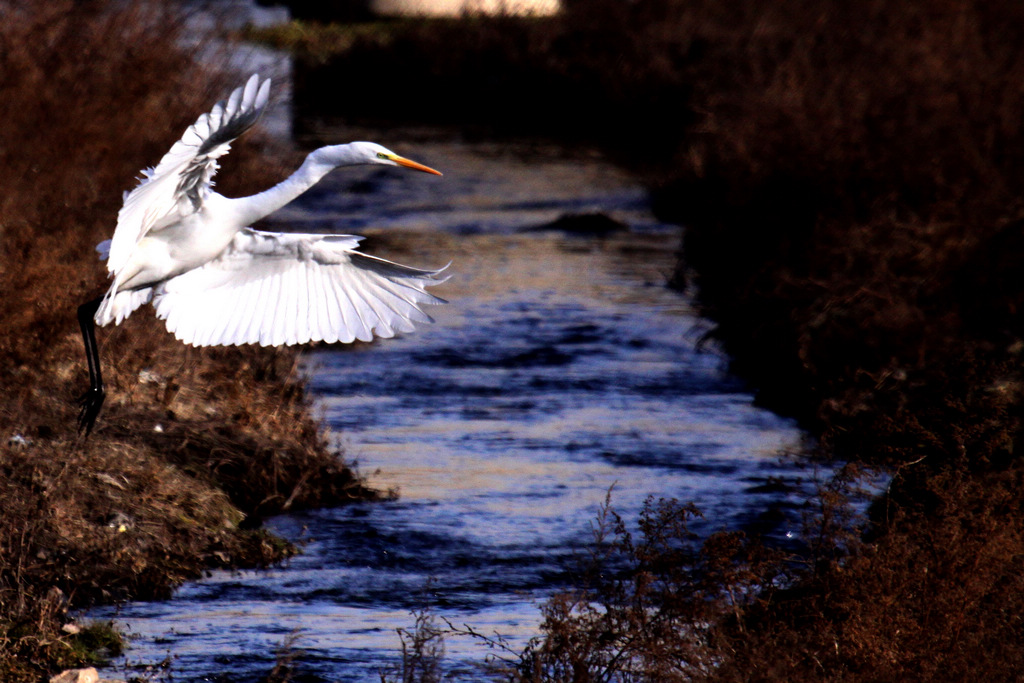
{"x":201,"y":168}
{"x":238,"y":124}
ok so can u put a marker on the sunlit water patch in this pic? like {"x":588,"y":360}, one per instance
{"x":561,"y":370}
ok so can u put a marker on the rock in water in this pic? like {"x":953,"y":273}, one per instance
{"x":89,"y":675}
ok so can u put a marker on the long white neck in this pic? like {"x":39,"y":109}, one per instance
{"x":317,"y":164}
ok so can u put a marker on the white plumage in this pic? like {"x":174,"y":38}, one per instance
{"x":215,"y":281}
{"x":324,"y":291}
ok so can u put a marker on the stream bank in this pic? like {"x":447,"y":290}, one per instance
{"x":850,"y":177}
{"x":561,"y":369}
{"x":192,"y":447}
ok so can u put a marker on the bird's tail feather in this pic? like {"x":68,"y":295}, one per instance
{"x":116,"y":306}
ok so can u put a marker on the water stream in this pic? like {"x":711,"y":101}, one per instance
{"x":562,"y":368}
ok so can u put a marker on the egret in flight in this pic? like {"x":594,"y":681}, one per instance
{"x":217,"y":282}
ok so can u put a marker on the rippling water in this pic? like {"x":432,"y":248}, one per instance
{"x":562,"y":368}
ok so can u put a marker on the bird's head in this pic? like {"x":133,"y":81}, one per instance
{"x":372,"y":153}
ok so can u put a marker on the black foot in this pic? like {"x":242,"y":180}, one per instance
{"x":90,"y":402}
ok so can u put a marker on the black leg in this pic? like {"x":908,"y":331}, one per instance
{"x":92,"y":400}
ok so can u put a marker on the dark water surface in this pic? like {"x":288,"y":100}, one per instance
{"x":563,"y":367}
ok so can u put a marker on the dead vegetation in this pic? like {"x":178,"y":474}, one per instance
{"x":193,"y":446}
{"x":851,"y":177}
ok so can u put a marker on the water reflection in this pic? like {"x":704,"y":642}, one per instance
{"x":561,"y":368}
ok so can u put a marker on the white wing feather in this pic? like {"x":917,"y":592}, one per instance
{"x":279,"y":288}
{"x":177,"y":186}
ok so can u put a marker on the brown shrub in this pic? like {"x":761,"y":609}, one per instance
{"x":648,"y":606}
{"x":850,"y":175}
{"x":193,"y":446}
{"x":856,"y":172}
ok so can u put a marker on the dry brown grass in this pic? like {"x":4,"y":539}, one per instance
{"x":852,"y":191}
{"x":851,"y":177}
{"x":648,"y":603}
{"x":193,"y":447}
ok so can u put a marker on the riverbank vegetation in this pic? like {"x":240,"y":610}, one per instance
{"x":850,"y":175}
{"x":194,"y":446}
{"x":851,"y":178}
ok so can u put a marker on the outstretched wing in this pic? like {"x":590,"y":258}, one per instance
{"x":177,"y":186}
{"x":276,"y":289}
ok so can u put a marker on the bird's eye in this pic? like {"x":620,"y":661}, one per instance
{"x":382,"y":155}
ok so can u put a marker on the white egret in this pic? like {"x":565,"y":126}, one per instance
{"x":216,"y":281}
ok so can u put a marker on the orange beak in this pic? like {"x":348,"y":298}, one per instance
{"x":409,"y":163}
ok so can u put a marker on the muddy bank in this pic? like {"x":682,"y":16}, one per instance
{"x":193,"y":447}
